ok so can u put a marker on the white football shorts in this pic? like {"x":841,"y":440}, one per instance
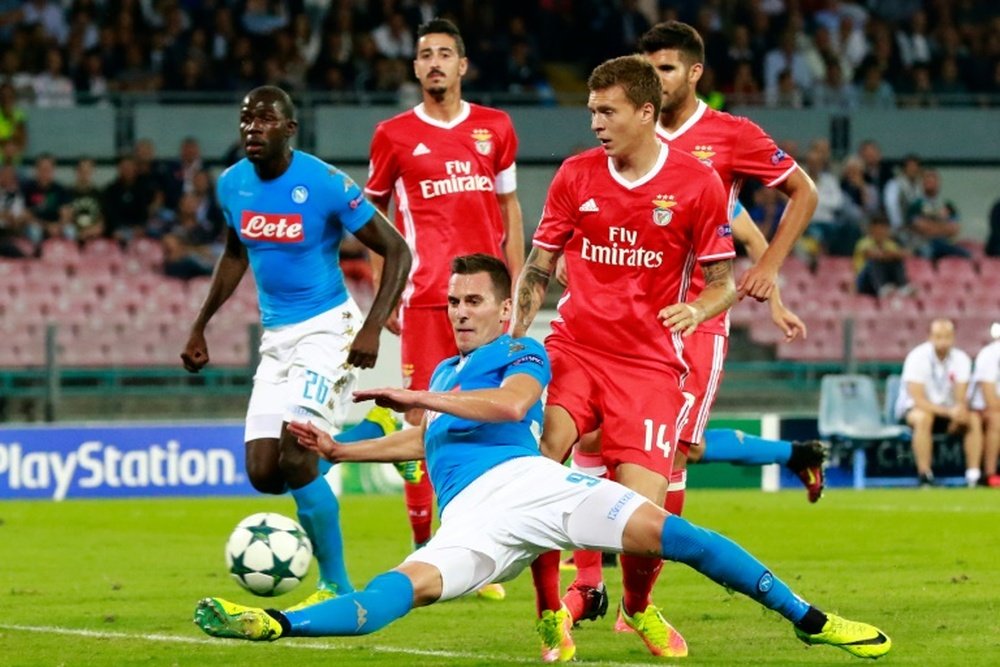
{"x":303,"y":373}
{"x":499,"y":524}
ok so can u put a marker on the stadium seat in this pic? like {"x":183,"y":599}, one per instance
{"x":850,"y":415}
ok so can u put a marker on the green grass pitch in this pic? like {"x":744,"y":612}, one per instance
{"x":115,"y":583}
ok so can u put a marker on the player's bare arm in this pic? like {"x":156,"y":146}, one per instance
{"x":802,"y":199}
{"x":529,"y":292}
{"x":513,"y":226}
{"x":749,"y":235}
{"x":509,"y":402}
{"x":378,"y":263}
{"x":405,"y":445}
{"x":228,"y":272}
{"x":381,"y":237}
{"x":719,"y":295}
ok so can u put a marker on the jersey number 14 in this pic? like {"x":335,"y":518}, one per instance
{"x":659,"y":442}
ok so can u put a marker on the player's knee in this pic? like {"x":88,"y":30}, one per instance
{"x":696,"y":451}
{"x":265,"y":476}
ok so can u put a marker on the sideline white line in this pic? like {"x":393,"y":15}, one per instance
{"x":177,"y":639}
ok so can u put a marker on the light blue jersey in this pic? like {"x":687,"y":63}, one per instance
{"x":292,"y":227}
{"x":460,"y":450}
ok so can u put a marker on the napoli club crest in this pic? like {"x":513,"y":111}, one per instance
{"x":484,"y":141}
{"x":662,"y":213}
{"x":300,"y":194}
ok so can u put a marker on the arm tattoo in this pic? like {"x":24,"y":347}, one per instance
{"x":717,"y":273}
{"x":534,"y":284}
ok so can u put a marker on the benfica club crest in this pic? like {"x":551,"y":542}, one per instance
{"x":484,"y":141}
{"x":704,"y":154}
{"x":662,"y":213}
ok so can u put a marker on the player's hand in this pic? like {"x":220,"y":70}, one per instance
{"x":392,"y":324}
{"x":313,"y":438}
{"x":789,"y":323}
{"x":758,"y":282}
{"x":364,"y":348}
{"x":195,"y":353}
{"x":681,"y":318}
{"x":399,"y":400}
{"x":562,"y":275}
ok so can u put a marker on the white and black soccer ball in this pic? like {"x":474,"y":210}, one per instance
{"x":268,"y":554}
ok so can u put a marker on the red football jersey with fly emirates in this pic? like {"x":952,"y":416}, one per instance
{"x":445,"y":178}
{"x":631,"y":248}
{"x":736,"y":148}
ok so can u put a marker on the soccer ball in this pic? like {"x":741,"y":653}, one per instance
{"x":268,"y":554}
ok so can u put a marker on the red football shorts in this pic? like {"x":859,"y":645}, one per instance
{"x":428,"y":339}
{"x":637,"y":408}
{"x":705,"y":354}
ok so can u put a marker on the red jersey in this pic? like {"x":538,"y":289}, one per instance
{"x":446,"y":178}
{"x":630,"y":249}
{"x":736,"y":148}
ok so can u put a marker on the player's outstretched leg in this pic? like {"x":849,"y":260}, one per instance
{"x":728,"y":564}
{"x":805,"y":459}
{"x":387,"y":597}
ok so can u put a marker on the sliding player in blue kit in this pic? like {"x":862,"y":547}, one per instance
{"x":502,"y":503}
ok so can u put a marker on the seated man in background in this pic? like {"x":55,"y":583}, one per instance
{"x":878,"y":261}
{"x":932,"y":400}
{"x":984,"y":399}
{"x":933,"y":222}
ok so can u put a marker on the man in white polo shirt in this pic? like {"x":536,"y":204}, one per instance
{"x":933,"y":399}
{"x":984,"y":399}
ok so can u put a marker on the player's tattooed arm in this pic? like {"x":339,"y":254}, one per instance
{"x":529,"y":292}
{"x":720,"y":288}
{"x":719,"y":294}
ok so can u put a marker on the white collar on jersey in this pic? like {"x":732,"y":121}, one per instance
{"x":454,"y":122}
{"x":699,"y":111}
{"x":642,"y":180}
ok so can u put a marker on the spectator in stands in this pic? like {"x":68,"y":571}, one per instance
{"x":901,"y":191}
{"x":126,"y":202}
{"x":786,"y":95}
{"x":44,"y":196}
{"x":918,"y":90}
{"x":933,"y":221}
{"x":875,"y":92}
{"x":49,"y":15}
{"x":827,"y":231}
{"x":86,"y":217}
{"x":263,"y":17}
{"x":876,"y":171}
{"x":182,"y":170}
{"x":393,"y":38}
{"x":993,"y":240}
{"x":878,"y":262}
{"x":744,"y":88}
{"x":13,"y":215}
{"x":91,"y":84}
{"x":52,"y":87}
{"x":933,"y":400}
{"x":786,"y":58}
{"x":834,"y":92}
{"x":13,"y":120}
{"x":915,"y":44}
{"x":861,"y":195}
{"x":949,"y":87}
{"x":985,"y":399}
{"x":189,"y":249}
